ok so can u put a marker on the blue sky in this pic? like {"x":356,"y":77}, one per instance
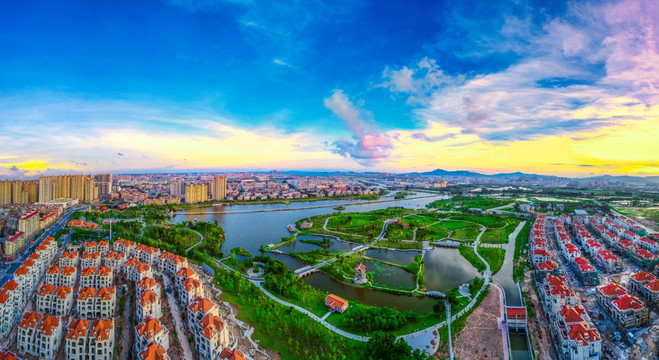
{"x":325,"y":85}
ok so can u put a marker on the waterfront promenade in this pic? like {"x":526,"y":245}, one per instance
{"x":301,"y":207}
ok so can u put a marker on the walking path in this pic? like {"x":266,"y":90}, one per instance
{"x":176,"y":313}
{"x":343,"y":333}
{"x":310,"y":268}
{"x":125,"y":334}
{"x":421,"y":339}
{"x":448,"y":326}
{"x":200,"y":241}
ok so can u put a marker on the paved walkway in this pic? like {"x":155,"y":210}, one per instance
{"x":304,"y":270}
{"x":199,"y":242}
{"x":176,"y":313}
{"x":343,"y":333}
{"x":422,"y":338}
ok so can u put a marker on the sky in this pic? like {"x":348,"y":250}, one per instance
{"x":546,"y":87}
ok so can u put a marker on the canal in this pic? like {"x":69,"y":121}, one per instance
{"x":519,"y":344}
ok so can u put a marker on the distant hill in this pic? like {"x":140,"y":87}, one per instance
{"x":465,"y":173}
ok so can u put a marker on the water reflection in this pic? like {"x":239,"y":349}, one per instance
{"x":369,"y":296}
{"x":445,"y":269}
{"x":390,"y":275}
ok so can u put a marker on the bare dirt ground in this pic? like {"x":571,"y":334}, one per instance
{"x":481,"y":337}
{"x":539,"y":331}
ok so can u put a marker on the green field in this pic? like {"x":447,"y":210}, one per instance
{"x":494,"y":257}
{"x":367,"y":224}
{"x":642,"y":213}
{"x":500,"y":235}
{"x":463,"y":203}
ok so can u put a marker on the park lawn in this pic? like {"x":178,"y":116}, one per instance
{"x":494,"y":256}
{"x":465,"y":202}
{"x":453,"y":224}
{"x":467,"y":251}
{"x":399,"y":244}
{"x":485,"y":220}
{"x":500,"y":235}
{"x":271,"y":338}
{"x":433,"y":232}
{"x":470,"y":233}
{"x":398,"y":232}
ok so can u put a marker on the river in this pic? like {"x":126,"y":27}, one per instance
{"x":518,"y":341}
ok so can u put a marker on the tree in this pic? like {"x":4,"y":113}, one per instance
{"x":383,"y":346}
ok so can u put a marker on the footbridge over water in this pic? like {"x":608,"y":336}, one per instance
{"x":296,"y":208}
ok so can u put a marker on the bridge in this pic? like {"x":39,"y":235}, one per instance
{"x":298,"y":208}
{"x":310,"y":269}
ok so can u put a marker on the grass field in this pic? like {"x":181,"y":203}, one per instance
{"x":464,"y":202}
{"x":469,"y":233}
{"x":500,"y":235}
{"x":467,"y":251}
{"x":649,"y":214}
{"x":494,"y":256}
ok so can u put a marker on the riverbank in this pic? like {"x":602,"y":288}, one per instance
{"x":481,"y":336}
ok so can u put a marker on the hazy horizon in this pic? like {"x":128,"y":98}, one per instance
{"x":564,"y":88}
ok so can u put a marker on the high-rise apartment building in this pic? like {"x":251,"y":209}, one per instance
{"x":104,"y":184}
{"x":219,"y":188}
{"x":195,"y":193}
{"x":177,"y":188}
{"x":5,"y":192}
{"x":32,"y":190}
{"x":47,"y":188}
{"x":80,"y":187}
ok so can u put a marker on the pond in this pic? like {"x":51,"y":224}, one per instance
{"x":299,"y":246}
{"x":389,"y":275}
{"x":445,"y":269}
{"x":321,"y":281}
{"x":395,"y":256}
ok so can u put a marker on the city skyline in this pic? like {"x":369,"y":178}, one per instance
{"x":567,"y":89}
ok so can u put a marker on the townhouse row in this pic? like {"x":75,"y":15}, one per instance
{"x":16,"y":292}
{"x":572,"y":331}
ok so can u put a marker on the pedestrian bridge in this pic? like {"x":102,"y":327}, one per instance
{"x":437,"y":294}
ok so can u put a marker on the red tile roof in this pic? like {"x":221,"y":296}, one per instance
{"x":77,"y":328}
{"x":153,"y":351}
{"x":612,"y":289}
{"x":627,"y":302}
{"x":582,"y":334}
{"x":30,"y":320}
{"x":210,"y":325}
{"x":235,"y":354}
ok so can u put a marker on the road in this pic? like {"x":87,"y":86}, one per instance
{"x":176,"y":313}
{"x":10,"y":267}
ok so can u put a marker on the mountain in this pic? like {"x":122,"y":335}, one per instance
{"x":465,"y":173}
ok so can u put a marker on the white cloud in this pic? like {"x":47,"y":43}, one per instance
{"x":368,"y":145}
